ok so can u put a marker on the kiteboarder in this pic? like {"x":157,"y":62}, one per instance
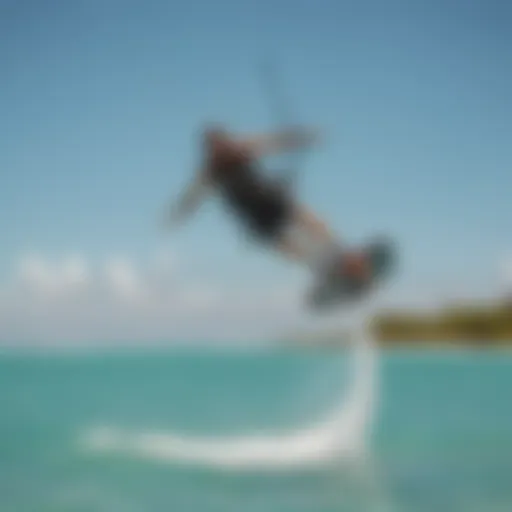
{"x":231,"y":168}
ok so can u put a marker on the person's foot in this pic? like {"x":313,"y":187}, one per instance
{"x":346,"y":278}
{"x":351,"y":275}
{"x":355,"y":265}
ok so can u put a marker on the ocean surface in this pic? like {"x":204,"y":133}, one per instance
{"x":261,"y":431}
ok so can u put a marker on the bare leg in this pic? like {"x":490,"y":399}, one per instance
{"x":292,"y":250}
{"x":313,"y":226}
{"x":310,"y":242}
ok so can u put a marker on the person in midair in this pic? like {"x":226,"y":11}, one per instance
{"x":231,"y":168}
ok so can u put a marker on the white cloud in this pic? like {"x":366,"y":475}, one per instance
{"x":50,"y":280}
{"x":75,"y":272}
{"x":123,"y":280}
{"x":35,"y":273}
{"x":69,"y":301}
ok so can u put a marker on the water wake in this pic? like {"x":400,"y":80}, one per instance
{"x":341,"y":435}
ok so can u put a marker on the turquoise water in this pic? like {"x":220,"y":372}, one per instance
{"x":442,"y":436}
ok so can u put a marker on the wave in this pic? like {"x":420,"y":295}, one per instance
{"x":341,"y":434}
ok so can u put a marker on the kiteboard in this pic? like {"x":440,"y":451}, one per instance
{"x":341,"y":289}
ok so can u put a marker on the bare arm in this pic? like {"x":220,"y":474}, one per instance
{"x":190,"y":200}
{"x":286,"y":140}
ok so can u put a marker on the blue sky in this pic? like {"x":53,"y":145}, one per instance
{"x":101,"y":102}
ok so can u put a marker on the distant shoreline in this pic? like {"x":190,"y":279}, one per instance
{"x":474,"y":326}
{"x":471,"y":327}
